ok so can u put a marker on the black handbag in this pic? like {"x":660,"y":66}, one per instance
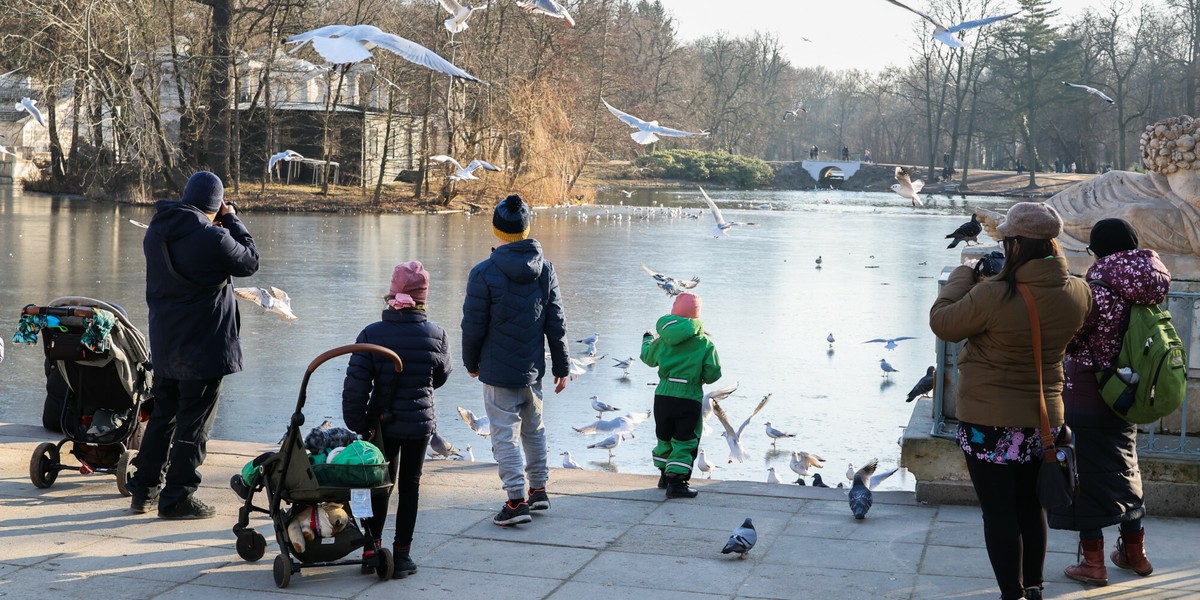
{"x":1058,"y":477}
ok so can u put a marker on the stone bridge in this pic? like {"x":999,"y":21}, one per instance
{"x":820,"y":169}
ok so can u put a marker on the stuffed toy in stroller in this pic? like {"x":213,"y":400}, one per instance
{"x":324,"y":520}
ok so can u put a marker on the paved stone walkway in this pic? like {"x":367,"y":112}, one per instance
{"x":607,"y":536}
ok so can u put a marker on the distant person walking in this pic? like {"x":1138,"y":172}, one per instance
{"x":867,"y":155}
{"x":1110,"y":483}
{"x":999,"y":403}
{"x":193,"y":247}
{"x":513,"y":309}
{"x":845,"y":153}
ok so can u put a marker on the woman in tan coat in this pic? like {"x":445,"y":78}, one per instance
{"x":998,"y":386}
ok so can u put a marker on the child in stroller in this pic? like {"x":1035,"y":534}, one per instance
{"x":99,"y":386}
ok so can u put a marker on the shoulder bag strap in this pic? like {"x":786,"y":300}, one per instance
{"x":166,"y":252}
{"x":1036,"y":330}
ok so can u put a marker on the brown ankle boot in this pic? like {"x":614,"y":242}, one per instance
{"x":1091,"y":569}
{"x":1131,"y":553}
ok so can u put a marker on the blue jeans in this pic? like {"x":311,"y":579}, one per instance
{"x":516,"y":413}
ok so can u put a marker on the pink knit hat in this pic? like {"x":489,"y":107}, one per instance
{"x":410,"y":285}
{"x":686,"y":305}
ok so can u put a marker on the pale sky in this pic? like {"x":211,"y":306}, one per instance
{"x":845,"y":34}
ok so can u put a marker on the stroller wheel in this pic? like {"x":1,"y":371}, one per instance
{"x":283,"y":571}
{"x":385,"y":565}
{"x":251,"y":545}
{"x":125,"y":471}
{"x":43,"y":466}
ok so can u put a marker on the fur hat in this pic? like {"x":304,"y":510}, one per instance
{"x":1110,"y":236}
{"x":510,"y":221}
{"x":205,"y":192}
{"x":1033,"y":220}
{"x":410,"y":285}
{"x":686,"y":305}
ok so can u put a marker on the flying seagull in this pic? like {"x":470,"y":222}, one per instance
{"x":945,"y":34}
{"x":459,"y":14}
{"x":907,"y":188}
{"x":924,"y":386}
{"x":628,"y":194}
{"x":273,"y":300}
{"x":967,"y":232}
{"x":465,"y":173}
{"x":550,"y":8}
{"x":711,"y":398}
{"x":647,"y":131}
{"x":723,"y":226}
{"x":734,"y":437}
{"x":4,"y":150}
{"x":286,"y":155}
{"x":887,"y":368}
{"x":775,"y":434}
{"x":346,"y":44}
{"x":29,"y":105}
{"x":670,"y":285}
{"x":481,"y":426}
{"x":1086,"y":88}
{"x":742,"y":540}
{"x":568,"y":462}
{"x":890,"y":343}
{"x":794,"y":112}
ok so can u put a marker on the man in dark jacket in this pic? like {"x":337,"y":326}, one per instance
{"x":512,"y":305}
{"x":192,"y":249}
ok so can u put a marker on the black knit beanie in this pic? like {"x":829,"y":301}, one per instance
{"x":1110,"y":236}
{"x":205,"y":192}
{"x":510,"y":222}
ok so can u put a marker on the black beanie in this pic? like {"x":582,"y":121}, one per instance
{"x":510,"y":222}
{"x":1110,"y":236}
{"x":205,"y":192}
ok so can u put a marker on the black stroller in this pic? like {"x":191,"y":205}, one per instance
{"x":293,"y":484}
{"x":104,"y":362}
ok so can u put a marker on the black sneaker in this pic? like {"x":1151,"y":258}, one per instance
{"x":138,"y":504}
{"x":538,"y":500}
{"x":1033,"y":593}
{"x":188,"y":508}
{"x":404,"y":565}
{"x":678,"y":488}
{"x":512,"y":513}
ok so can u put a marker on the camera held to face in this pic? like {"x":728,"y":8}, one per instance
{"x":990,"y":264}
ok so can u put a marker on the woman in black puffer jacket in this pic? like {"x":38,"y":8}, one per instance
{"x":374,"y":393}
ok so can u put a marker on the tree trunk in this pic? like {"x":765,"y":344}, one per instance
{"x":219,"y":88}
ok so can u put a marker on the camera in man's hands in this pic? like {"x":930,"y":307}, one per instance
{"x":989,"y":265}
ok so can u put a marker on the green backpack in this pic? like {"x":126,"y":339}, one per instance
{"x":1149,"y":379}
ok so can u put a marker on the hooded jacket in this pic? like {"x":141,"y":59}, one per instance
{"x":1110,"y":481}
{"x":370,"y":377}
{"x":997,"y":382}
{"x":685,"y":357}
{"x":511,"y":311}
{"x":194,"y":330}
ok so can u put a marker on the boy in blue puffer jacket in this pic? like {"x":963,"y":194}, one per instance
{"x":686,"y":359}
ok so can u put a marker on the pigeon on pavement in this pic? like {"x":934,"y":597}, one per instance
{"x":742,"y":540}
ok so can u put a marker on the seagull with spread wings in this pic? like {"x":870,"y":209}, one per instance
{"x":670,"y":285}
{"x":459,"y":13}
{"x":1091,"y":90}
{"x":481,"y":426}
{"x":734,"y":437}
{"x":286,"y":155}
{"x":722,"y":226}
{"x":464,"y":173}
{"x":271,"y":300}
{"x":29,"y":105}
{"x":647,"y":132}
{"x":945,"y":34}
{"x":890,"y":343}
{"x":550,"y":8}
{"x":346,"y":44}
{"x":906,"y":187}
{"x":795,"y":111}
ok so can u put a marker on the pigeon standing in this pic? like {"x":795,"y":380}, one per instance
{"x":887,"y":368}
{"x":967,"y":232}
{"x":742,"y":540}
{"x":817,"y":482}
{"x":924,"y":386}
{"x":866,"y":480}
{"x":829,"y":338}
{"x":775,"y":434}
{"x":441,"y":446}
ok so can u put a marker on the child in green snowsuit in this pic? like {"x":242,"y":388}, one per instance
{"x":686,"y":359}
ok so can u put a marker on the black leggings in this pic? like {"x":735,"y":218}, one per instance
{"x":1014,"y":524}
{"x":406,"y":473}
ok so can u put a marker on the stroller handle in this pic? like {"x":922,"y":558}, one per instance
{"x":352,"y":348}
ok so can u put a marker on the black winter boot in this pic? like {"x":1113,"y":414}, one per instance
{"x":404,"y":563}
{"x":662,"y":480}
{"x":677,"y":487}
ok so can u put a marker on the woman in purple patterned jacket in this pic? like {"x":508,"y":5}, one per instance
{"x":1110,"y":489}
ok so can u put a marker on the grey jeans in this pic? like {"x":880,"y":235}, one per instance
{"x":517,"y":413}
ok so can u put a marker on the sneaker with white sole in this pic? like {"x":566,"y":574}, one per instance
{"x":538,"y":500}
{"x":513,"y":512}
